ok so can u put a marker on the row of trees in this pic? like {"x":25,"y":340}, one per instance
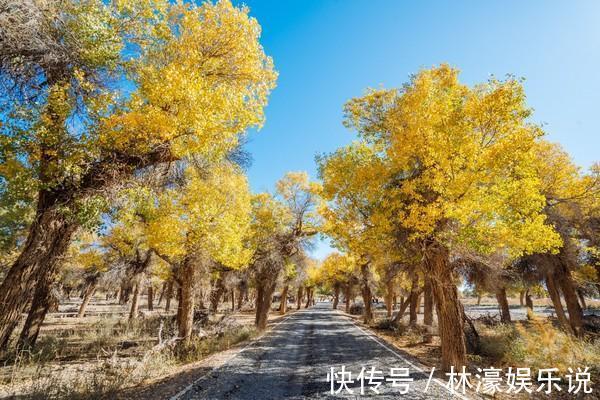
{"x":448,"y":182}
{"x":121,"y":157}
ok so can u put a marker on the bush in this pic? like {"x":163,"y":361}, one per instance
{"x":356,"y":309}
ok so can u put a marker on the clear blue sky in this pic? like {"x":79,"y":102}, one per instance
{"x":331,"y":50}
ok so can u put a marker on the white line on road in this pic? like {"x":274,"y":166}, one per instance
{"x":235,"y":354}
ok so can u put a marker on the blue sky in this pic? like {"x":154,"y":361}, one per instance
{"x":329,"y":51}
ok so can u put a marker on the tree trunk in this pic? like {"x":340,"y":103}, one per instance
{"x":336,"y":296}
{"x":88,"y":295}
{"x":133,"y":312}
{"x":414,"y":290}
{"x":366,"y":294}
{"x":264,"y":299}
{"x":299,"y":299}
{"x":186,"y":300}
{"x":400,"y":314}
{"x":478,"y":299}
{"x":582,"y":299}
{"x":569,"y":292}
{"x":503,"y":304}
{"x":43,"y":252}
{"x":389,"y":298}
{"x":448,"y":307}
{"x":150,"y":297}
{"x":428,"y":303}
{"x":169,"y":295}
{"x":283,"y":304}
{"x":233,"y":299}
{"x":558,"y":308}
{"x":215,"y":294}
{"x":163,"y":290}
{"x":347,"y":295}
{"x":42,"y":299}
{"x":522,"y":298}
{"x":309,"y":294}
{"x":529,"y":305}
{"x":240,"y":300}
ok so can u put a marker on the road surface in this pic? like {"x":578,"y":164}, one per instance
{"x":292,"y":362}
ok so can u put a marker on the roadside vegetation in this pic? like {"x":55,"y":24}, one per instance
{"x":131,"y":243}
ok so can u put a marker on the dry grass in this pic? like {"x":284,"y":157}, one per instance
{"x":538,"y":344}
{"x":108,"y":357}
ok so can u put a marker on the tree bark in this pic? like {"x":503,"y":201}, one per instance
{"x":448,"y":307}
{"x":569,"y":292}
{"x":233,"y":299}
{"x":529,"y":305}
{"x":389,"y":298}
{"x":347,"y":295}
{"x":40,"y":305}
{"x":264,"y":298}
{"x":428,"y":303}
{"x":163,"y":290}
{"x":309,"y":292}
{"x":558,"y":308}
{"x":133,"y":312}
{"x":336,"y":296}
{"x":414,"y":295}
{"x":503,"y":304}
{"x":88,"y":295}
{"x":299,"y":299}
{"x":400,"y":314}
{"x":366,"y":294}
{"x":169,"y":295}
{"x":283,"y":303}
{"x":186,"y":300}
{"x":522,"y":298}
{"x":43,"y":252}
{"x":215,"y":294}
{"x":150,"y":297}
{"x":582,"y":299}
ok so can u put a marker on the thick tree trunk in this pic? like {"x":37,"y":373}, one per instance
{"x":569,"y":292}
{"x":40,"y":305}
{"x":428,"y":303}
{"x":558,"y":308}
{"x":88,"y":295}
{"x":169,"y":295}
{"x":283,"y":303}
{"x":150,"y":297}
{"x":299,"y":299}
{"x":186,"y":300}
{"x":264,"y":299}
{"x":43,"y":252}
{"x":414,"y":296}
{"x":448,"y":307}
{"x":503,"y":304}
{"x":366,"y":294}
{"x":133,"y":311}
{"x":336,"y":296}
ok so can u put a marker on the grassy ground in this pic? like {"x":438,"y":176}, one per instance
{"x":102,"y":355}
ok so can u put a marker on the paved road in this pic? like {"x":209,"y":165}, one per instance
{"x":292,"y":362}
